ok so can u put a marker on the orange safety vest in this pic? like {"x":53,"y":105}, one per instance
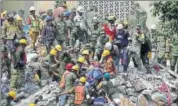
{"x":79,"y":94}
{"x":109,"y":66}
{"x":62,"y":83}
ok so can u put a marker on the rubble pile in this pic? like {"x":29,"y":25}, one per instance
{"x":45,"y":96}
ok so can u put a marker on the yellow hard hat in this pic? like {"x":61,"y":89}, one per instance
{"x":53,"y":52}
{"x":12,"y":94}
{"x":23,"y":41}
{"x":81,"y":59}
{"x":4,"y":13}
{"x":32,"y":104}
{"x":105,"y":53}
{"x":82,"y":79}
{"x":112,"y":18}
{"x":19,"y":18}
{"x":76,"y":68}
{"x":58,"y":47}
{"x":85,"y":52}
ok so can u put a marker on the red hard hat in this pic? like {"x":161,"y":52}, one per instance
{"x":69,"y":66}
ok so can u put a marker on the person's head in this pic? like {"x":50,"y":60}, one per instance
{"x":85,"y":54}
{"x":23,"y":42}
{"x":81,"y":60}
{"x":61,"y":16}
{"x":10,"y":17}
{"x":82,"y":80}
{"x":105,"y":54}
{"x":12,"y":94}
{"x":75,"y":69}
{"x":120,"y":27}
{"x":111,"y":19}
{"x":95,"y":22}
{"x":107,"y":76}
{"x":153,"y":28}
{"x":58,"y":48}
{"x":53,"y":52}
{"x":101,"y":93}
{"x":125,"y":24}
{"x":108,"y":46}
{"x":69,"y":66}
{"x":138,"y":29}
{"x":67,"y":15}
{"x":32,"y":10}
{"x":80,"y":10}
{"x":49,"y":20}
{"x":64,"y":5}
{"x":50,"y":12}
{"x":77,"y":25}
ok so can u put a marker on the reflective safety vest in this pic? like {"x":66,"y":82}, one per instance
{"x":62,"y":83}
{"x":109,"y":66}
{"x":79,"y":94}
{"x":35,"y":24}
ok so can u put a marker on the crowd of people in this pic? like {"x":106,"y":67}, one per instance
{"x":103,"y":49}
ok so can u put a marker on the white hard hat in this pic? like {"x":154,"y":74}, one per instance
{"x":32,"y":8}
{"x":120,"y":26}
{"x":153,"y":26}
{"x":117,"y":101}
{"x":108,"y":46}
{"x":80,"y":9}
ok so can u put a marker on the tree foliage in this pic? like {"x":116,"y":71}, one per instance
{"x":167,"y":11}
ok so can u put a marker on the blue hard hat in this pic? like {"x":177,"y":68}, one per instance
{"x":48,"y":18}
{"x":107,"y":76}
{"x":67,"y":13}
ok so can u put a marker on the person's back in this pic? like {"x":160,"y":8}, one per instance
{"x":70,"y":79}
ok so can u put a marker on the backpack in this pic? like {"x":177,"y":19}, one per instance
{"x":93,"y":75}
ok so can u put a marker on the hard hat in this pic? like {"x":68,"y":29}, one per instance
{"x":4,"y":13}
{"x":69,"y":66}
{"x":67,"y":13}
{"x":153,"y":26}
{"x":82,"y":79}
{"x":125,"y":22}
{"x":12,"y":94}
{"x":32,"y":8}
{"x":108,"y":46}
{"x":107,"y":76}
{"x":105,"y":53}
{"x":95,"y":20}
{"x":53,"y":52}
{"x":85,"y":52}
{"x":19,"y":18}
{"x":120,"y":26}
{"x":23,"y":41}
{"x":48,"y":18}
{"x":81,"y":59}
{"x":111,"y":18}
{"x":80,"y":9}
{"x":32,"y":104}
{"x":58,"y":47}
{"x":75,"y":68}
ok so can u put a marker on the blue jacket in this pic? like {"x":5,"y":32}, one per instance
{"x":122,"y":38}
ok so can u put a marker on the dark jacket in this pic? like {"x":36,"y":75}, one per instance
{"x":49,"y":33}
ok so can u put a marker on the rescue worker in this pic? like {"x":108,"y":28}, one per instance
{"x":86,"y":55}
{"x":122,"y":43}
{"x":59,"y":49}
{"x":19,"y":23}
{"x":81,"y":93}
{"x":106,"y":85}
{"x":95,"y":33}
{"x":5,"y":61}
{"x":69,"y":24}
{"x":93,"y":12}
{"x":48,"y":34}
{"x":68,"y":70}
{"x":61,"y":29}
{"x":34,"y":23}
{"x":158,"y":39}
{"x":110,"y":28}
{"x":18,"y":73}
{"x":10,"y":99}
{"x":78,"y":36}
{"x":80,"y":62}
{"x":69,"y":83}
{"x":11,"y":32}
{"x":108,"y":62}
{"x":114,"y":53}
{"x":135,"y":47}
{"x":79,"y":18}
{"x":174,"y":53}
{"x":101,"y":41}
{"x":100,"y":100}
